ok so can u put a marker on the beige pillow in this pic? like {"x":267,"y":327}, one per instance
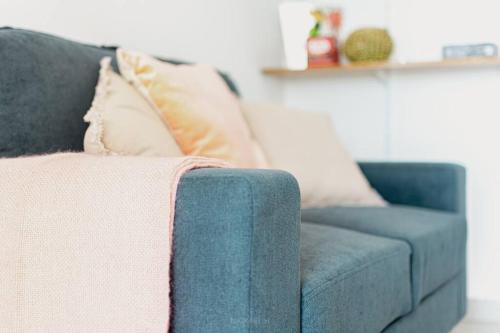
{"x":306,"y":145}
{"x":123,"y":123}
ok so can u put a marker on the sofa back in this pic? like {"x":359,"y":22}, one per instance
{"x":47,"y":84}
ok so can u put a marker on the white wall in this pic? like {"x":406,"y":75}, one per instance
{"x":236,"y":36}
{"x":431,"y":115}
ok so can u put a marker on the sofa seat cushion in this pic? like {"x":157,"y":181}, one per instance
{"x":352,"y":282}
{"x":437,"y":239}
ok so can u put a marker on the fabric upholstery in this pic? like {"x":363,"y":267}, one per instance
{"x":122,"y":122}
{"x":438,"y":313}
{"x":236,"y":252}
{"x":437,"y":239}
{"x":196,"y":105}
{"x":306,"y":145}
{"x":430,"y":185}
{"x":352,"y":282}
{"x":48,"y":84}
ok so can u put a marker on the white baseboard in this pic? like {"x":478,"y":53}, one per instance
{"x":483,"y":311}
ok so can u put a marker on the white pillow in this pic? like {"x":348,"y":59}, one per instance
{"x":306,"y":145}
{"x":122,"y":122}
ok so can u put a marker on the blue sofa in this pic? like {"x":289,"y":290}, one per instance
{"x":246,"y":258}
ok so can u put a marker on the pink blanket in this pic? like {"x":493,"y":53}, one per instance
{"x":86,"y":241}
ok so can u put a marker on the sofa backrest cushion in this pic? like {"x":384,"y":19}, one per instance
{"x":307,"y":145}
{"x":47,"y":84}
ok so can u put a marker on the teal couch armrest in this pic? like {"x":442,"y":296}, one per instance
{"x":438,"y":186}
{"x":236,"y":252}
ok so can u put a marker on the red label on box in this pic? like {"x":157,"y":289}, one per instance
{"x":322,"y":51}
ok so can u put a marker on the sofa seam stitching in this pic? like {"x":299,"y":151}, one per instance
{"x":250,"y":270}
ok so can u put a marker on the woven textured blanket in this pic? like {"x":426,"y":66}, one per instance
{"x":86,"y":242}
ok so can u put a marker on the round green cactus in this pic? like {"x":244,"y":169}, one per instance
{"x":368,"y":44}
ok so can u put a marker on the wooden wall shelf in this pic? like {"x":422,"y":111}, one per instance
{"x":383,"y":66}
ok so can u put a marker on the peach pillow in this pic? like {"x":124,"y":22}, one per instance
{"x":202,"y":113}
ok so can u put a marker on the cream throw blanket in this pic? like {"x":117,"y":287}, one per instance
{"x":86,"y":241}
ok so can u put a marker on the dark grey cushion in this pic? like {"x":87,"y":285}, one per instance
{"x":352,"y":282}
{"x":439,"y":186}
{"x":47,"y":84}
{"x":437,"y":239}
